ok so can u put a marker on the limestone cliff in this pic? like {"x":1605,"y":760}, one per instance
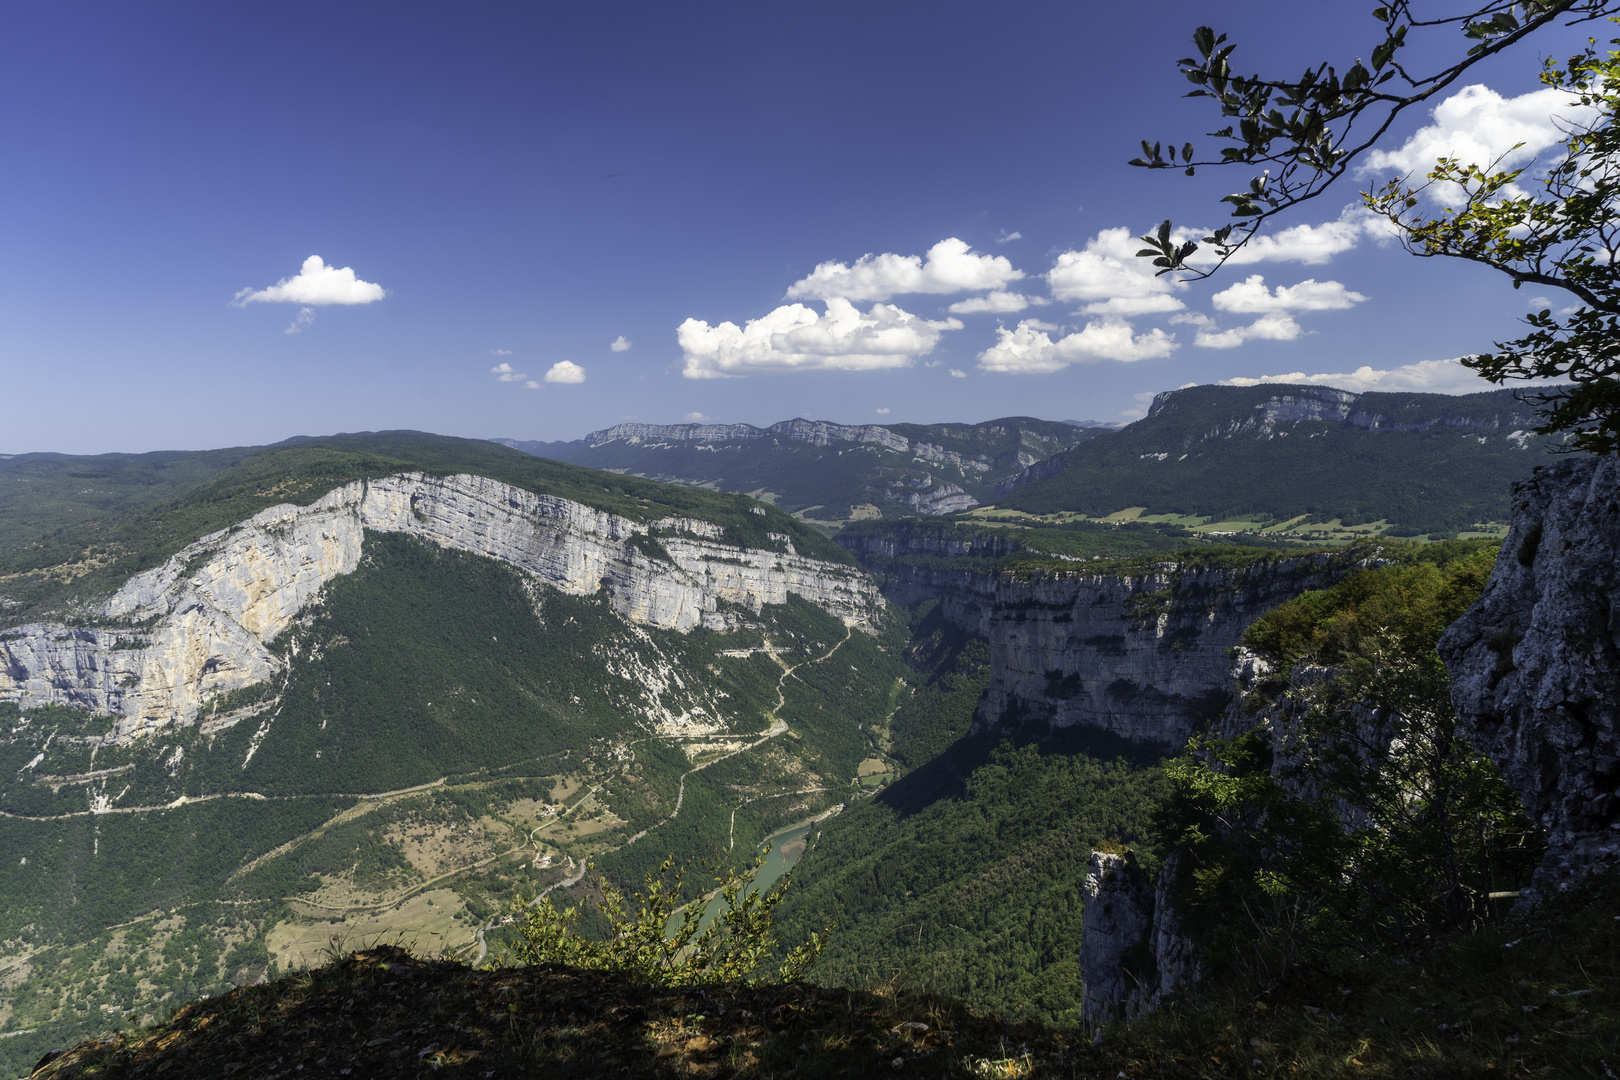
{"x":1535,"y":663}
{"x":918,"y":562}
{"x":198,"y":626}
{"x":1134,"y":952}
{"x":1142,"y":655}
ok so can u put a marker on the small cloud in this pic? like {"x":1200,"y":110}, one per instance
{"x":998,"y":303}
{"x":1479,"y":126}
{"x":697,"y":418}
{"x":1143,"y":400}
{"x":1429,"y":376}
{"x":620,"y":344}
{"x":1251,"y":297}
{"x":506,"y":373}
{"x":1111,"y":279}
{"x":1536,"y":303}
{"x":317,"y":284}
{"x":500,"y":352}
{"x":303,"y":319}
{"x":957,"y":373}
{"x":1278,"y":326}
{"x":565,"y":371}
{"x":1008,"y":237}
{"x":951,"y":266}
{"x":883,"y":412}
{"x":1030,"y":350}
{"x":797,"y":338}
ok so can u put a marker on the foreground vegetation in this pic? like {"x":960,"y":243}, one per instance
{"x":1539,"y":997}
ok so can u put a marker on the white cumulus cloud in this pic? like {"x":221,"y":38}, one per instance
{"x":1109,"y":277}
{"x":957,"y":373}
{"x":620,"y":344}
{"x":950,"y":267}
{"x":565,"y":371}
{"x":796,"y":338}
{"x":1251,"y":296}
{"x":1278,"y":326}
{"x":315,"y":284}
{"x":1311,"y":244}
{"x":304,"y":318}
{"x":1477,"y":125}
{"x":1008,"y":237}
{"x":1429,"y":376}
{"x":1029,"y":349}
{"x":996,"y":303}
{"x":500,"y":352}
{"x":506,"y":373}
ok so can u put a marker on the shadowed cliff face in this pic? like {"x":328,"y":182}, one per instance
{"x":1144,"y":656}
{"x":1535,"y":664}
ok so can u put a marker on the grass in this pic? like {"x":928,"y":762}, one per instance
{"x":1534,"y":998}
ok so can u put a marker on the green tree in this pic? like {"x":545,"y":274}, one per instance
{"x":1352,"y":815}
{"x":663,"y":940}
{"x":1555,"y":227}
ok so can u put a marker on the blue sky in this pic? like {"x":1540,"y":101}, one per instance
{"x":527,"y":184}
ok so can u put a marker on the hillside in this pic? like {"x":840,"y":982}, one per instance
{"x":61,"y":545}
{"x":829,"y":472}
{"x":385,"y":684}
{"x":1424,"y":463}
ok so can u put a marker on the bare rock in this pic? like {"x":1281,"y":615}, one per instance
{"x":1535,"y":663}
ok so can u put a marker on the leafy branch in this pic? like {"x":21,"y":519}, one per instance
{"x":1309,"y":131}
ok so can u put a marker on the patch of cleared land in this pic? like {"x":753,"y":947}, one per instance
{"x":426,"y":923}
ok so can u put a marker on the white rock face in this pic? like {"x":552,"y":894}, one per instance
{"x":205,"y":617}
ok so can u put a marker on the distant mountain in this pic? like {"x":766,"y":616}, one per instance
{"x":829,"y":472}
{"x":1428,"y":463}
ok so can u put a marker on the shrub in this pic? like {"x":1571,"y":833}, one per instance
{"x":732,"y":947}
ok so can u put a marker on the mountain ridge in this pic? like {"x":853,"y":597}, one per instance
{"x":1425,"y":463}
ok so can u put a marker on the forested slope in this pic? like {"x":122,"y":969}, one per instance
{"x":1427,"y":463}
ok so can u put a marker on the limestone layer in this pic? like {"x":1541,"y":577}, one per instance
{"x":199,"y":625}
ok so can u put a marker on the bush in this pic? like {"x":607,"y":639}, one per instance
{"x":731,"y":948}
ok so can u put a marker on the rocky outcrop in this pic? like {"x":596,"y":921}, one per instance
{"x":1133,"y":952}
{"x":1535,"y":663}
{"x":199,"y":625}
{"x":1144,"y":656}
{"x":929,"y":497}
